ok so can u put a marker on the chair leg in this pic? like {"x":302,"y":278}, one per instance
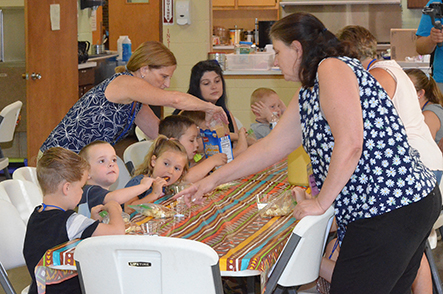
{"x":285,"y":290}
{"x":5,"y":282}
{"x":6,"y":169}
{"x":436,"y":282}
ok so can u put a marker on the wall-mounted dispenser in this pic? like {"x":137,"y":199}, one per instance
{"x":182,"y":8}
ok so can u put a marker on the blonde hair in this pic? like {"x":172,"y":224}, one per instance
{"x":427,"y":83}
{"x":360,"y":40}
{"x":152,"y":53}
{"x":160,"y":146}
{"x":261,"y":93}
{"x":84,"y":152}
{"x":57,"y":165}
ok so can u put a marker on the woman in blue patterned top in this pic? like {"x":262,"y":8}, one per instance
{"x":386,"y":200}
{"x":108,"y":111}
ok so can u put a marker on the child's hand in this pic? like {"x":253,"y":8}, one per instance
{"x":147,"y":182}
{"x":95,"y":212}
{"x":157,"y":187}
{"x":261,"y":111}
{"x":219,"y":159}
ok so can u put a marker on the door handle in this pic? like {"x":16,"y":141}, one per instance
{"x":34,"y":76}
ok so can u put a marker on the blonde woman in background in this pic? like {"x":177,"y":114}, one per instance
{"x":109,"y":110}
{"x":430,"y":99}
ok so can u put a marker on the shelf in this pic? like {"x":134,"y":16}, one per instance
{"x":338,"y":2}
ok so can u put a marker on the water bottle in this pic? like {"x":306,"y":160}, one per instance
{"x":126,"y":49}
{"x":120,"y":47}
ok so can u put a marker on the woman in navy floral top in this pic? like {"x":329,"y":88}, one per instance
{"x":386,"y":200}
{"x":109,"y":110}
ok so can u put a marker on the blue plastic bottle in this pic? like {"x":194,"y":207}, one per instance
{"x":126,"y":48}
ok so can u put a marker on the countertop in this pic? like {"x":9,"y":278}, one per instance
{"x":272,"y":72}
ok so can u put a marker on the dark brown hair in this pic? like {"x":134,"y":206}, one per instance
{"x":317,"y":42}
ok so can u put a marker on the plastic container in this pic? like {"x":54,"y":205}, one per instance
{"x":298,"y":162}
{"x":126,"y":49}
{"x":243,"y":48}
{"x":257,"y":61}
{"x":120,"y":47}
{"x":281,"y":205}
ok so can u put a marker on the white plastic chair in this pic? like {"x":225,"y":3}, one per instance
{"x":123,"y":176}
{"x":24,"y":195}
{"x":12,"y":234}
{"x":8,"y":122}
{"x":134,"y":154}
{"x":299,"y":262}
{"x":140,"y":135}
{"x":147,"y":264}
{"x":26,"y":173}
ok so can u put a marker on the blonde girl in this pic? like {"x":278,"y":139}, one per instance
{"x":166,"y":162}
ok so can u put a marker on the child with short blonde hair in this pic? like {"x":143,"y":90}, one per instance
{"x":185,"y":129}
{"x":104,"y":172}
{"x":267,"y":108}
{"x":61,"y":174}
{"x":166,"y":162}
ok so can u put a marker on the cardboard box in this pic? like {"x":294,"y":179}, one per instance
{"x":216,"y":141}
{"x":403,"y":43}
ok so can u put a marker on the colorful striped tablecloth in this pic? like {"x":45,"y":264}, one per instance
{"x":228,"y":221}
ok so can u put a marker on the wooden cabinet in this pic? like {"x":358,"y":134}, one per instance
{"x":234,"y":4}
{"x":417,"y":3}
{"x":86,"y":80}
{"x":241,"y":3}
{"x":223,"y":3}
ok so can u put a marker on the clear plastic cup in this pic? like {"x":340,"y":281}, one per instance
{"x":150,"y":228}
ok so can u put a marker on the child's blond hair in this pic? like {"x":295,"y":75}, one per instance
{"x":260,"y":94}
{"x":57,"y":165}
{"x":161,"y":145}
{"x":85,"y":150}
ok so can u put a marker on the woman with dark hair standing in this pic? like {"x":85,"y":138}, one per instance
{"x":386,"y":200}
{"x":110,"y":109}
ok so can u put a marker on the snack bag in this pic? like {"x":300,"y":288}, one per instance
{"x":153,"y":210}
{"x":281,"y":205}
{"x":217,"y":140}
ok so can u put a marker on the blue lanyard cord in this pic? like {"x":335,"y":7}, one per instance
{"x":49,"y":205}
{"x":370,"y":63}
{"x":128,"y":126}
{"x":424,"y":105}
{"x":333,"y":249}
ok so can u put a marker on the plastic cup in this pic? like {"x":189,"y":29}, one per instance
{"x":150,"y":228}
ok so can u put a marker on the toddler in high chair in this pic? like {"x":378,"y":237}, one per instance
{"x":267,"y":108}
{"x":104,"y":172}
{"x":185,"y":130}
{"x":61,"y":174}
{"x":166,"y":162}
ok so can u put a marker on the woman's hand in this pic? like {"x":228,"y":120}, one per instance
{"x":306,"y":204}
{"x":194,"y":194}
{"x":214,"y":114}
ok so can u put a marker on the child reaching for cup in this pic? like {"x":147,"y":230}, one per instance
{"x":166,"y":162}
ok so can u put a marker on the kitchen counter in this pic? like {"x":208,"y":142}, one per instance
{"x":88,"y":64}
{"x":272,"y":72}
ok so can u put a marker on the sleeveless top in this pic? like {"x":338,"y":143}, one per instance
{"x":408,"y":108}
{"x":93,"y":117}
{"x":438,"y":110}
{"x":388,"y":175}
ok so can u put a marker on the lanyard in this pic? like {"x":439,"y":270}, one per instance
{"x":370,"y":63}
{"x":49,"y":205}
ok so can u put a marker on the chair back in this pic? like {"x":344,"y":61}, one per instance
{"x":26,"y":173}
{"x":9,"y":116}
{"x":299,"y":262}
{"x":12,"y":234}
{"x":140,"y":135}
{"x":134,"y":154}
{"x":24,"y":195}
{"x":147,"y":264}
{"x":123,"y":176}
